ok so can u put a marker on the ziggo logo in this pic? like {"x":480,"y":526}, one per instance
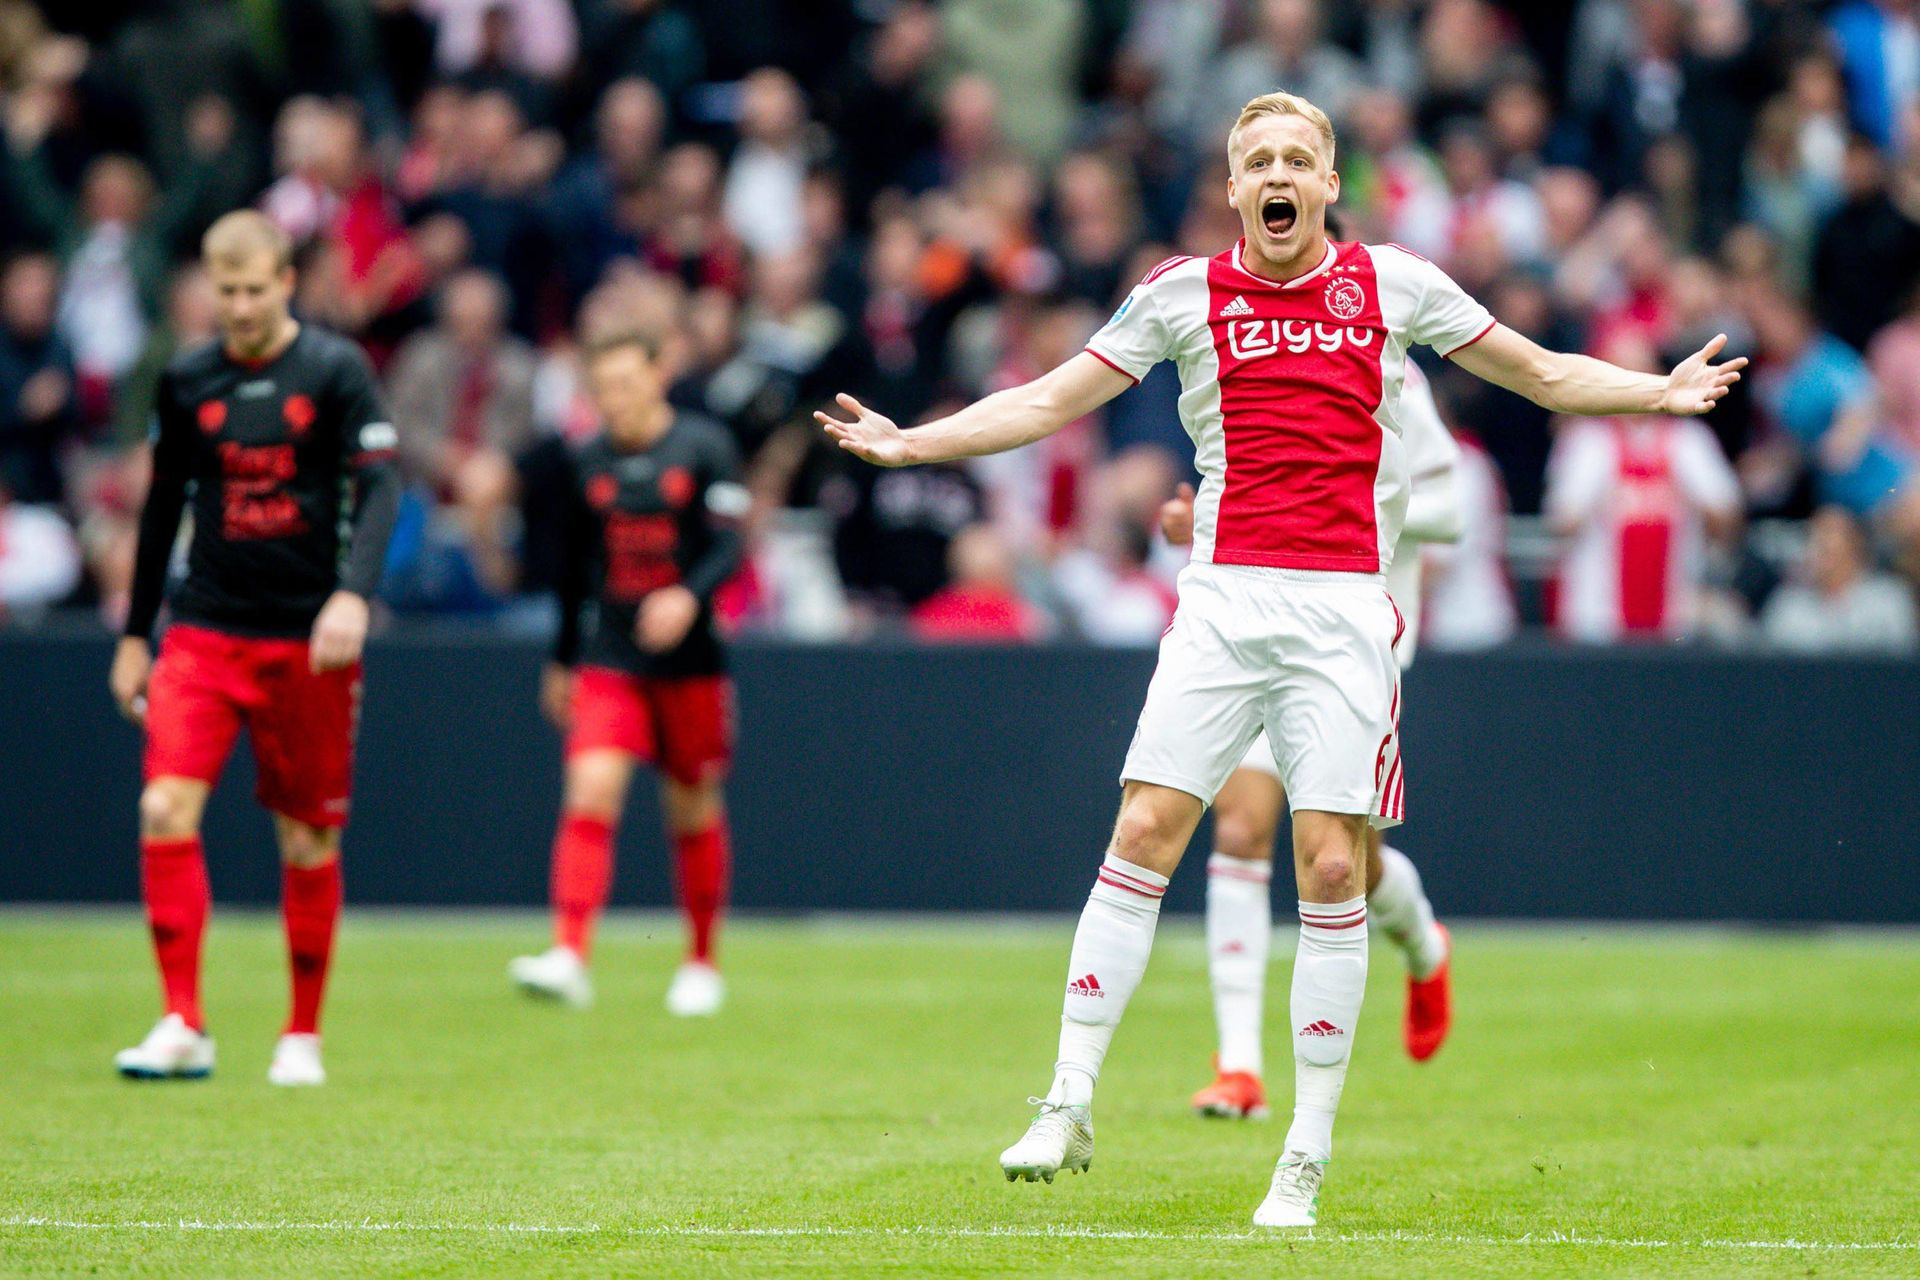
{"x":1251,"y":339}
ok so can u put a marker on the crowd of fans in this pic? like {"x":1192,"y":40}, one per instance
{"x":921,"y":202}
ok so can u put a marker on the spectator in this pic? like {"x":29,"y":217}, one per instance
{"x":583,"y":207}
{"x":1287,"y":49}
{"x":877,"y":102}
{"x":1837,"y":604}
{"x":982,"y":602}
{"x":769,"y":167}
{"x":497,"y":166}
{"x":651,"y":40}
{"x":462,"y":398}
{"x":39,"y":559}
{"x":1820,"y":394}
{"x":537,"y":38}
{"x":1029,"y":53}
{"x":1636,"y":498}
{"x":37,"y":411}
{"x":1866,"y":259}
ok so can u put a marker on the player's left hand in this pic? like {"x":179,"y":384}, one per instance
{"x":339,"y":633}
{"x":665,"y":618}
{"x":1695,"y":384}
{"x":872,"y":436}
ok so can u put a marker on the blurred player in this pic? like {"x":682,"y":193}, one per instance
{"x":1246,"y":815}
{"x":1291,"y":350}
{"x":650,"y":537}
{"x":270,"y":427}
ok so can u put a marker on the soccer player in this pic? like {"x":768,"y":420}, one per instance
{"x":1291,"y":350}
{"x":651,"y":535}
{"x":1246,"y":815}
{"x":265,"y":431}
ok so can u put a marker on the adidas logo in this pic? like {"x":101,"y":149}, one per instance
{"x":1087,"y":986}
{"x":1321,"y":1028}
{"x":1238,"y":307}
{"x":1234,"y":948}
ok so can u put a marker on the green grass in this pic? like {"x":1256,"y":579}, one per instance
{"x":1665,"y":1100}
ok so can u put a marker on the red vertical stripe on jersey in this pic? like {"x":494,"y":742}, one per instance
{"x":1300,"y":380}
{"x":1650,"y":512}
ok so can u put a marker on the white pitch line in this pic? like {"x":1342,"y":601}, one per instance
{"x":1529,"y":1240}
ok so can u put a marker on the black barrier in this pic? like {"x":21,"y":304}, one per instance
{"x":1542,"y":782}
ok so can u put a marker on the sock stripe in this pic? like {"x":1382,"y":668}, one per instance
{"x":1344,"y":920}
{"x":1108,"y":869}
{"x":1106,"y":877}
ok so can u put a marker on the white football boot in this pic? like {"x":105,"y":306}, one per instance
{"x":296,"y":1061}
{"x":1294,"y":1198}
{"x":172,"y":1051}
{"x":558,"y":973}
{"x":698,"y":991}
{"x":1060,"y":1137}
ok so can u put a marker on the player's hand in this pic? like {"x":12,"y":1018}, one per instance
{"x":339,"y":633}
{"x":556,"y":695}
{"x":1176,"y":517}
{"x":132,"y":664}
{"x":871,"y":436}
{"x":1695,"y":384}
{"x":665,"y":618}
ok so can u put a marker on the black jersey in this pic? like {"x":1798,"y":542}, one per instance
{"x":279,"y":459}
{"x":641,"y":520}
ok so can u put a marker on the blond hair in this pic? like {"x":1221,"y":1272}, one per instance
{"x":1282,"y":104}
{"x":235,"y":237}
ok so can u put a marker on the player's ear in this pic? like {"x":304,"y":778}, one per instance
{"x":1333,"y":185}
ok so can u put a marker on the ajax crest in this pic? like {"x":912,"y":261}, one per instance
{"x":1345,"y":298}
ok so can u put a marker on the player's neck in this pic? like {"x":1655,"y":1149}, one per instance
{"x":1311,"y":254}
{"x":282,"y":339}
{"x":658,"y":423}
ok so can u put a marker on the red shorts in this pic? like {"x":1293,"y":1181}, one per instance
{"x":207,"y":684}
{"x":682,"y":726}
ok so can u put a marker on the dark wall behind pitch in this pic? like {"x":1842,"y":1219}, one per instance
{"x":1542,"y":782}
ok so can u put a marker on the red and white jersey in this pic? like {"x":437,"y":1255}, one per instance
{"x":1291,"y":394}
{"x":1633,"y":491}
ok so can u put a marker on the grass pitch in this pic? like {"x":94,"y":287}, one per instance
{"x":1611,"y":1104}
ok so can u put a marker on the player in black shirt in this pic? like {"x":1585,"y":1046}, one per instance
{"x":638,"y":672}
{"x":277,"y":437}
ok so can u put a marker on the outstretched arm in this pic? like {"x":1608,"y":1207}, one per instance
{"x":1004,"y":420}
{"x":1568,"y":383}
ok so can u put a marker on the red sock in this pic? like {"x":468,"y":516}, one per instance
{"x":173,"y":881}
{"x":703,"y":860}
{"x":582,"y":877}
{"x":310,"y":902}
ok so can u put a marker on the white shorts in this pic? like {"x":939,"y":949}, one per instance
{"x":1305,"y":657}
{"x":1403,"y":588}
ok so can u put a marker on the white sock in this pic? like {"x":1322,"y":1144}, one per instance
{"x":1239,"y":933}
{"x":1398,"y":906}
{"x":1329,"y":982}
{"x":1110,"y":950}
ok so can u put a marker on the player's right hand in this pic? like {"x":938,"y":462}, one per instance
{"x":871,"y":436}
{"x":132,"y":664}
{"x":556,"y":695}
{"x":1176,"y":516}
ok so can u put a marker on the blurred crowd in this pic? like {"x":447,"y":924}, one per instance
{"x":918,"y":203}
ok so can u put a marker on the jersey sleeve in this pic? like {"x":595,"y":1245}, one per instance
{"x":1137,"y":337}
{"x":1704,"y":473}
{"x":1445,"y":316}
{"x":367,"y":433}
{"x":725,"y":501}
{"x":172,"y":438}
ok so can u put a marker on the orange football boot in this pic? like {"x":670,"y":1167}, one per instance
{"x":1233,"y":1095}
{"x":1430,"y":1007}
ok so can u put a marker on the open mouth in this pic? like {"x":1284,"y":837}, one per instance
{"x":1278,"y":215}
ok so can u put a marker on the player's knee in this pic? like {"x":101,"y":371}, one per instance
{"x":595,"y":793}
{"x":305,"y":847}
{"x":691,"y":807}
{"x":1332,"y":875}
{"x":166,"y":811}
{"x":1144,"y":835}
{"x":1240,"y":835}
